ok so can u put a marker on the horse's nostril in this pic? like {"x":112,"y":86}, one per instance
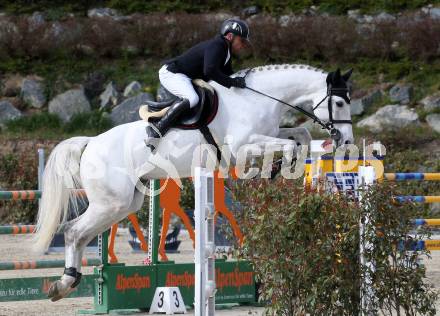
{"x":347,"y":142}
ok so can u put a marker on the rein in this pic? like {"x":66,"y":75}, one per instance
{"x":334,"y":133}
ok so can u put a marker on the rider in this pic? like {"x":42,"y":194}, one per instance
{"x":209,"y":60}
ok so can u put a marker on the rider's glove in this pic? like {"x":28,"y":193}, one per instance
{"x":239,"y":82}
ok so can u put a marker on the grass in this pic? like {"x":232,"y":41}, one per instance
{"x":63,"y":73}
{"x":49,"y":126}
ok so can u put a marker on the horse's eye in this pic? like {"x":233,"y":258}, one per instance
{"x":340,"y":104}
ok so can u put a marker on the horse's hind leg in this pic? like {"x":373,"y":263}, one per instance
{"x":77,"y":235}
{"x":80,"y":232}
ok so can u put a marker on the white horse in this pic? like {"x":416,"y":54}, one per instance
{"x":110,"y":165}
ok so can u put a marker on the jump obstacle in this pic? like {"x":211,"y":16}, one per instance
{"x":36,"y":288}
{"x":116,"y":286}
{"x":318,"y":167}
{"x":132,"y":287}
{"x":43,"y":264}
{"x":17,"y":289}
{"x":364,"y":171}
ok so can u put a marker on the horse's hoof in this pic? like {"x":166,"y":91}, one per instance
{"x":56,"y":291}
{"x":56,"y":298}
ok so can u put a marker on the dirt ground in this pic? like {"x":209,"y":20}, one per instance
{"x":13,"y":247}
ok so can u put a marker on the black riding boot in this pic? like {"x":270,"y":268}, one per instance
{"x":159,"y":129}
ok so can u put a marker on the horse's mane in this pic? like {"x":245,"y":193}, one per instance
{"x":257,"y":69}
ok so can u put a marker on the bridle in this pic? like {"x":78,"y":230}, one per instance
{"x":340,"y":92}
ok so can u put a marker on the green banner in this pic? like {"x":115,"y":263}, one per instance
{"x":24,"y":289}
{"x":125,"y":287}
{"x":131,"y":287}
{"x":234,"y":279}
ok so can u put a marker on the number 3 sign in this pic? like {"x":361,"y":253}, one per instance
{"x":167,"y":300}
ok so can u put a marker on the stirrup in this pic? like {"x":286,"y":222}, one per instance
{"x":152,"y":141}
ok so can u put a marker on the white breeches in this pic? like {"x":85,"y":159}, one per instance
{"x":179,"y":85}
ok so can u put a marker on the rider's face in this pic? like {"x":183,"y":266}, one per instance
{"x":238,"y":44}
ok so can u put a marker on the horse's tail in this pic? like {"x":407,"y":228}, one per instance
{"x":60,"y":179}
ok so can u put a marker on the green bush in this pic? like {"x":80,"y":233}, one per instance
{"x":305,"y":250}
{"x":162,"y":35}
{"x":44,"y":123}
{"x":35,"y":122}
{"x":18,"y":172}
{"x":94,"y":121}
{"x":399,"y":280}
{"x":196,"y":6}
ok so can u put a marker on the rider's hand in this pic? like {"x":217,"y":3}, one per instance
{"x":239,"y":82}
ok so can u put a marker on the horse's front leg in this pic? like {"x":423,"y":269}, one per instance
{"x":265,"y":146}
{"x":300,"y":135}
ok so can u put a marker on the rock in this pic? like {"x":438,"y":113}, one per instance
{"x":32,"y":93}
{"x":12,"y":85}
{"x":433,"y":13}
{"x":8,"y":112}
{"x":311,"y":11}
{"x":426,"y":8}
{"x":288,"y":119}
{"x":390,"y":116}
{"x":360,"y":18}
{"x":358,"y":106}
{"x":368,"y":19}
{"x":8,"y":29}
{"x":252,"y":10}
{"x":431,"y":102}
{"x":131,"y":49}
{"x":109,"y":97}
{"x":354,"y":14}
{"x":132,"y":89}
{"x":94,"y":84}
{"x":163,"y":94}
{"x":86,"y":49}
{"x":127,"y":111}
{"x":372,"y":97}
{"x":433,"y":121}
{"x":69,"y":103}
{"x":365,"y":29}
{"x":314,"y":128}
{"x":57,"y":29}
{"x":102,"y":12}
{"x":285,"y":20}
{"x":306,"y":105}
{"x":401,"y":93}
{"x":36,"y":20}
{"x":384,"y":17}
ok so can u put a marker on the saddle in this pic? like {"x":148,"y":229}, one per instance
{"x":198,"y":117}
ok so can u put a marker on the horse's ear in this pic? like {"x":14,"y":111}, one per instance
{"x":337,"y":75}
{"x":329,"y":78}
{"x":347,"y":75}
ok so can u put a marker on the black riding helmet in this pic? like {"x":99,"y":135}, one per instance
{"x":235,"y":26}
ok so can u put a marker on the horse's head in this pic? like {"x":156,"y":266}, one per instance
{"x":336,"y":111}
